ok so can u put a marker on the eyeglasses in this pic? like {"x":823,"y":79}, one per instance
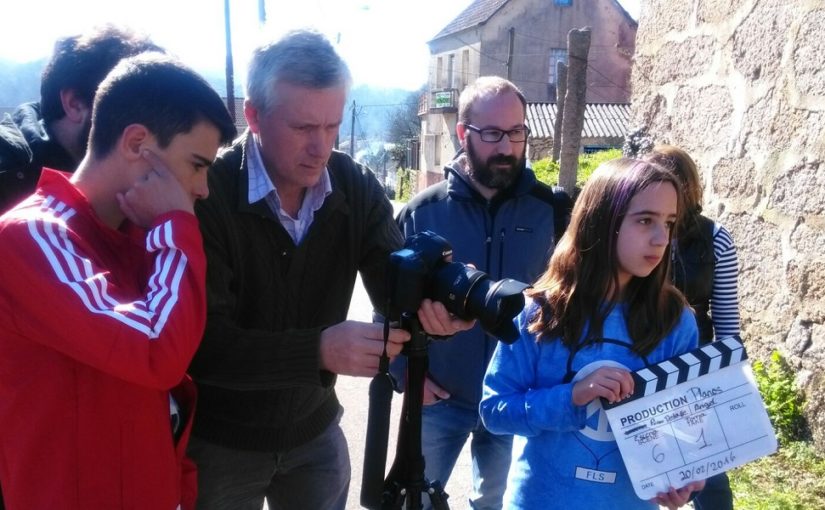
{"x":493,"y":135}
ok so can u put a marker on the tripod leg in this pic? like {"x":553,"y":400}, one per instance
{"x":406,"y":481}
{"x":438,"y":498}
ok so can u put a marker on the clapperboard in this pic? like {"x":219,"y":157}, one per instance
{"x":691,"y":417}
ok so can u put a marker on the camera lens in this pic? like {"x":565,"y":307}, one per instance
{"x":472,"y":294}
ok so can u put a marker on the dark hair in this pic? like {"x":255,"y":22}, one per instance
{"x":160,"y":93}
{"x":80,"y":62}
{"x":301,"y":57}
{"x":579,"y":287}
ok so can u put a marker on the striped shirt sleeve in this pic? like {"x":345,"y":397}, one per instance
{"x":67,"y":299}
{"x":724,"y":302}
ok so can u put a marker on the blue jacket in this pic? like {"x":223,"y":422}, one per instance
{"x":565,"y":456}
{"x":511,"y":236}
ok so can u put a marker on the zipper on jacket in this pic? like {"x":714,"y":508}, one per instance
{"x":501,"y":254}
{"x":488,"y":241}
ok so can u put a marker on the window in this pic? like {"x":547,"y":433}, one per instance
{"x":465,"y":68}
{"x":450,"y":71}
{"x":439,"y":73}
{"x":556,"y":55}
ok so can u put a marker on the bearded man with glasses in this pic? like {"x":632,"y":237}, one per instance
{"x":498,"y":217}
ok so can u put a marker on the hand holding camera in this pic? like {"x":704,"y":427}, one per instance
{"x":354,"y":348}
{"x":436,"y":320}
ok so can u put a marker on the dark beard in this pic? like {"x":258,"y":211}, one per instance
{"x":485,"y":174}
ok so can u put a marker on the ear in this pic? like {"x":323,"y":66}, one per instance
{"x":74,"y":107}
{"x":461,"y":132}
{"x":132,"y":141}
{"x":251,"y":114}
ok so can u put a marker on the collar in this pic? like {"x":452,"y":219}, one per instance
{"x":260,"y":185}
{"x":57,"y":184}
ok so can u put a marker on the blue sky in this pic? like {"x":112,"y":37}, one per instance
{"x":384,"y":41}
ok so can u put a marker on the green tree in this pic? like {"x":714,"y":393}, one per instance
{"x":404,"y":125}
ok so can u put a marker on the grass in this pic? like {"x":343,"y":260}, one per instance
{"x":791,"y":479}
{"x":794,"y":477}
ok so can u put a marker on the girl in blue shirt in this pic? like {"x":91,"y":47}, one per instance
{"x":603,"y":308}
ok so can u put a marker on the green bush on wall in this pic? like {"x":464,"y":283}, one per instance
{"x":783,"y":400}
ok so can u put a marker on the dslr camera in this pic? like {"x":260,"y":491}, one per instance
{"x":423,"y":269}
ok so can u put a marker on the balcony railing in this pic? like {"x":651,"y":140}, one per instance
{"x":438,"y":101}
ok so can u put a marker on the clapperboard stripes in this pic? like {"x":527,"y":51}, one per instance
{"x":678,"y":369}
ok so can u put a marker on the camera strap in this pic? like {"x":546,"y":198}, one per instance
{"x":384,"y":362}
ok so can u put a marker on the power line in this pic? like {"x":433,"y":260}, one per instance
{"x":386,"y":105}
{"x":590,"y":66}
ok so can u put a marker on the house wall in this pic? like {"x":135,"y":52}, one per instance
{"x":541,"y":25}
{"x":740,"y":86}
{"x":439,"y":142}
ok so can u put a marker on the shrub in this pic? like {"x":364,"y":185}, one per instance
{"x":405,"y":184}
{"x":783,"y":401}
{"x":547,"y":170}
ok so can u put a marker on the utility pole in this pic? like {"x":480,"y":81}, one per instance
{"x":578,"y":47}
{"x":510,"y":53}
{"x":230,"y":80}
{"x":561,"y":91}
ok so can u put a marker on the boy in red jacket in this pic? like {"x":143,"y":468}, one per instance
{"x":102,"y":302}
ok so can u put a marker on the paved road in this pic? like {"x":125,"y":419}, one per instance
{"x":353,"y":393}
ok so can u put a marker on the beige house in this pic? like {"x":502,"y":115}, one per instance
{"x":520,"y":40}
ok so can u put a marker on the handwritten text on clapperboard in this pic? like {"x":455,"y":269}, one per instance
{"x":691,"y":417}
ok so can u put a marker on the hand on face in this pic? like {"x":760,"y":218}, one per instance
{"x":155,"y":193}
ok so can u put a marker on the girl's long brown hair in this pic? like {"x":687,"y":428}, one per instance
{"x":579,"y":288}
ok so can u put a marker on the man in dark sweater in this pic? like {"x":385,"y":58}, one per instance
{"x":288,"y":225}
{"x":54,"y":132}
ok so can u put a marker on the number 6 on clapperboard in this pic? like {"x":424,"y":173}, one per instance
{"x":691,"y":417}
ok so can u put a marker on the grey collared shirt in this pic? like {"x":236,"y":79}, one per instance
{"x":261,"y":187}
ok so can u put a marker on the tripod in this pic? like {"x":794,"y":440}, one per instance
{"x":405,"y":481}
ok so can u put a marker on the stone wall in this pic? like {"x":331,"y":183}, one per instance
{"x":741,"y":86}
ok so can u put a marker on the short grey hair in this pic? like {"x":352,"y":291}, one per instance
{"x":301,"y":57}
{"x":484,"y":87}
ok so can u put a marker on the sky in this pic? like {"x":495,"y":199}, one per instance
{"x":383,"y":41}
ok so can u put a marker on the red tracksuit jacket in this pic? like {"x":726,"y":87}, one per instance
{"x":96,"y":327}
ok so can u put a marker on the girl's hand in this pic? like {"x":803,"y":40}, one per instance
{"x":675,"y":498}
{"x":611,"y":383}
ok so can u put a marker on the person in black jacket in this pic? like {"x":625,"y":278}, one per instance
{"x":287,"y":227}
{"x":53,"y":132}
